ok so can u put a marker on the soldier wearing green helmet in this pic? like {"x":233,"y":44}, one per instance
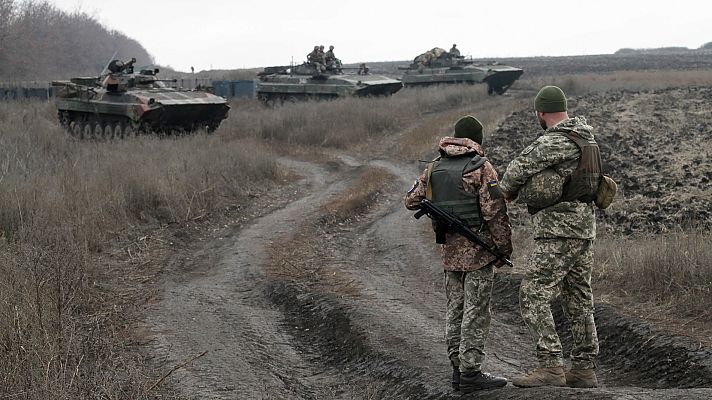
{"x":565,"y":228}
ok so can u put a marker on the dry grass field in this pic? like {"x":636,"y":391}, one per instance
{"x":65,"y":205}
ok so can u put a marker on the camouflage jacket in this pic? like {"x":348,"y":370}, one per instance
{"x":459,"y":254}
{"x":574,"y":219}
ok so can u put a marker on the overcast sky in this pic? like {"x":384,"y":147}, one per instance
{"x":229,"y":34}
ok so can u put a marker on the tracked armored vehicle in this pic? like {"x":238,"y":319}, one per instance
{"x":122,"y":102}
{"x":438,"y":66}
{"x":308,"y":81}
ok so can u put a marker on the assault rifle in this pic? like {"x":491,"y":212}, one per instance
{"x":447,"y":221}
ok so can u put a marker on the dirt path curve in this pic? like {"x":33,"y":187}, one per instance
{"x":215,"y":302}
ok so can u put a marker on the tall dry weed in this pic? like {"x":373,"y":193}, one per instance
{"x":349,"y":122}
{"x":673,"y":269}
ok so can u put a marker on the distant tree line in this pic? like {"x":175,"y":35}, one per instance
{"x":40,"y":42}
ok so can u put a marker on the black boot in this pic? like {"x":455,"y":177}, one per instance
{"x":455,"y":377}
{"x":471,"y":381}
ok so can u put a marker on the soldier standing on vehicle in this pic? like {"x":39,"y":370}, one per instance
{"x":564,"y":232}
{"x":462,"y":181}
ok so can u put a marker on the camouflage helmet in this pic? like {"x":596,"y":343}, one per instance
{"x":542,"y":189}
{"x":331,"y":47}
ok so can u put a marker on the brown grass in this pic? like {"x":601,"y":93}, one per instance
{"x":672,"y":269}
{"x":349,"y":122}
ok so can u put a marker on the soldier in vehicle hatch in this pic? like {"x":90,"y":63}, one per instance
{"x":454,"y":52}
{"x":462,"y":180}
{"x":332,"y":63}
{"x":565,"y":228}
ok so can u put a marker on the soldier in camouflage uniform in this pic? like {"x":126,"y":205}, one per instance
{"x":332,"y":63}
{"x":463,"y":182}
{"x":454,"y":52}
{"x":564,"y":232}
{"x":316,"y":58}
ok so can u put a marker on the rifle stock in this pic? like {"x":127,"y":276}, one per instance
{"x":449,"y":221}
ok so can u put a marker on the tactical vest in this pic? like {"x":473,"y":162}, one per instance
{"x":445,"y":188}
{"x":582,"y":184}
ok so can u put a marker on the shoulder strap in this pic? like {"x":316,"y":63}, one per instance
{"x":429,"y":171}
{"x":576,"y":138}
{"x":476,"y":163}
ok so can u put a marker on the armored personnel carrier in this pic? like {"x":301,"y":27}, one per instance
{"x":438,"y":66}
{"x":123,"y":102}
{"x":309,"y":81}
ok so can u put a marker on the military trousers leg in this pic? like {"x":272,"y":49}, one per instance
{"x":468,"y":316}
{"x":560,"y":266}
{"x":577,"y":303}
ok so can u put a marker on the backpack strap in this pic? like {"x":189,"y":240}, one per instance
{"x":476,"y":163}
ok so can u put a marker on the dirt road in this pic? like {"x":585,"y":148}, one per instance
{"x":267,"y":338}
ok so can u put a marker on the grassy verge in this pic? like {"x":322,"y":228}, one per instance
{"x":671,"y":270}
{"x":349,"y":122}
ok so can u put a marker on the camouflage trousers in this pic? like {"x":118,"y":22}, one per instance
{"x":467,"y":319}
{"x":560,"y":266}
